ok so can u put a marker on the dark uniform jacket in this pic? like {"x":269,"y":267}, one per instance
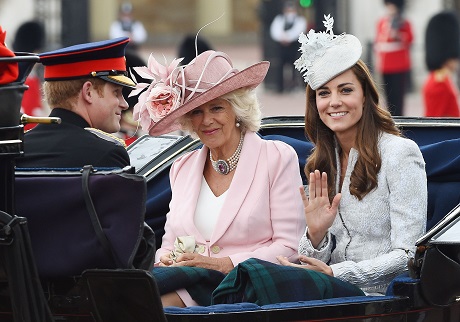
{"x":69,"y":145}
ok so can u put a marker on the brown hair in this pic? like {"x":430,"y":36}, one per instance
{"x":64,"y":93}
{"x":374,"y":120}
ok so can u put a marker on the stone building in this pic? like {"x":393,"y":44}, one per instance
{"x":242,"y":22}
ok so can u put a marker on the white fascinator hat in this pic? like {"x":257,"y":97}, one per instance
{"x":325,"y":55}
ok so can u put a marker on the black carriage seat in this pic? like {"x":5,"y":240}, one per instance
{"x":53,"y":201}
{"x":21,"y":293}
{"x":123,"y":295}
{"x":54,"y":204}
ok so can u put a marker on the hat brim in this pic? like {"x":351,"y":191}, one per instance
{"x":250,"y":77}
{"x":119,"y":80}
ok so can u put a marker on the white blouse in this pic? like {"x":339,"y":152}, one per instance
{"x":207,"y":210}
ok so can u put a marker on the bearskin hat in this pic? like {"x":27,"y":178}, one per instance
{"x":30,"y":37}
{"x":398,"y":3}
{"x":187,"y":48}
{"x":442,"y":39}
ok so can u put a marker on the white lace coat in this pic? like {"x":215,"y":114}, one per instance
{"x":375,"y":237}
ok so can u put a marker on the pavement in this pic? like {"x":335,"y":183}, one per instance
{"x":273,"y":104}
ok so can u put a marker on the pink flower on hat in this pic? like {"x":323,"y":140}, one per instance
{"x":161,"y":100}
{"x":162,"y":96}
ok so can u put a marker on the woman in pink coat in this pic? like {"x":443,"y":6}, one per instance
{"x":237,"y":197}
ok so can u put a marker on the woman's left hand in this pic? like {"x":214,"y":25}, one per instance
{"x":308,"y":263}
{"x":223,"y":265}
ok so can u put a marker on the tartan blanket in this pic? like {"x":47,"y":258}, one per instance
{"x":254,"y":281}
{"x":263,"y":283}
{"x":199,"y":282}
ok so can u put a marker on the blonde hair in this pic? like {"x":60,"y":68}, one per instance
{"x":64,"y":93}
{"x":245,"y":105}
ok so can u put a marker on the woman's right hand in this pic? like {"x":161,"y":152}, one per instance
{"x":319,"y":212}
{"x":165,"y":260}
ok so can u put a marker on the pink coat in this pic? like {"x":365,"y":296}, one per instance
{"x":262,"y":215}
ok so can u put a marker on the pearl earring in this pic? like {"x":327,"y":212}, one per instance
{"x":237,"y":124}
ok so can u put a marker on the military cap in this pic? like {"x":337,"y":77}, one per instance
{"x":103,"y":59}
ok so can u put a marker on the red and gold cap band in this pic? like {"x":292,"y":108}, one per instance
{"x":84,"y":68}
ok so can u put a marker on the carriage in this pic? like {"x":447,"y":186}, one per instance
{"x":429,"y":292}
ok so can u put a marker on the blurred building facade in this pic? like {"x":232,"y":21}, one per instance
{"x":70,"y":21}
{"x":241,"y":22}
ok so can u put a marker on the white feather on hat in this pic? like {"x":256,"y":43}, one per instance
{"x":325,"y":55}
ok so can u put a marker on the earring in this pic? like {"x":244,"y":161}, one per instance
{"x":237,"y":124}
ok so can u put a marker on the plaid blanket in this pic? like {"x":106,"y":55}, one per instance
{"x":263,"y":283}
{"x":254,"y":281}
{"x":199,"y":282}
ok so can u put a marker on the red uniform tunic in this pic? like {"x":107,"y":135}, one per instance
{"x":32,"y":99}
{"x":440,"y":96}
{"x":393,"y":54}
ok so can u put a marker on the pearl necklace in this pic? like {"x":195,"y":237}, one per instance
{"x":227,"y":166}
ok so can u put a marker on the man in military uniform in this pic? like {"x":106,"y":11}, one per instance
{"x":83,"y":87}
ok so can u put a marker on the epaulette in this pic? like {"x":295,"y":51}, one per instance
{"x":106,"y":136}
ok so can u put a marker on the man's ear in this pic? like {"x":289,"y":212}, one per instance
{"x":87,"y":91}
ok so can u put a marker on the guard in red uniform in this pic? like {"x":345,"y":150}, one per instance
{"x":442,"y":57}
{"x":392,"y":46}
{"x":30,"y":38}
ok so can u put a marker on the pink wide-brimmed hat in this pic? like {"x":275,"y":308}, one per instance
{"x":176,"y":90}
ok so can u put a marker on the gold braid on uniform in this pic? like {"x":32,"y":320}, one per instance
{"x":106,"y":136}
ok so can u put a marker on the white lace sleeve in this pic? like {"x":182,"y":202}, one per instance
{"x":323,"y":252}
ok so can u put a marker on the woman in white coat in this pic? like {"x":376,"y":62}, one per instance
{"x":366,"y":201}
